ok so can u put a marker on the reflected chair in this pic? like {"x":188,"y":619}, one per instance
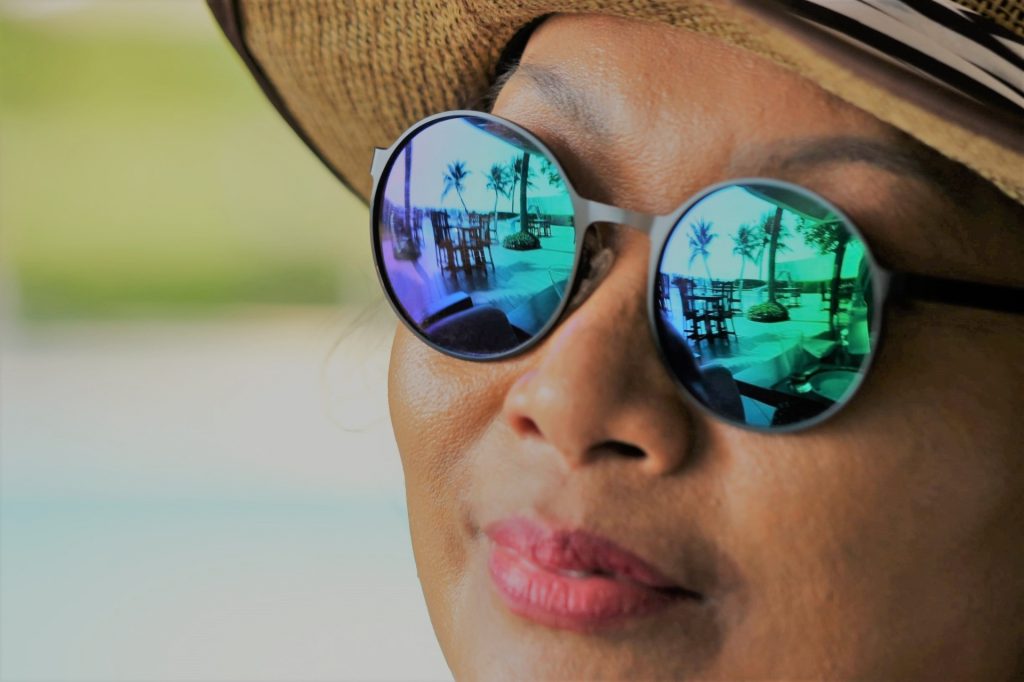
{"x":664,"y":301}
{"x":417,"y":224}
{"x":444,"y":246}
{"x":480,"y":240}
{"x":735,"y":298}
{"x":691,"y":314}
{"x":538,"y":226}
{"x":720,"y":311}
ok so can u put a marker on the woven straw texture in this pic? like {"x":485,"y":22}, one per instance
{"x":354,"y":74}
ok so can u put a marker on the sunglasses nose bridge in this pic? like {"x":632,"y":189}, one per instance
{"x":590,"y":212}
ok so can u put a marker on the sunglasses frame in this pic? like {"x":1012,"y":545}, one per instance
{"x":886,"y":284}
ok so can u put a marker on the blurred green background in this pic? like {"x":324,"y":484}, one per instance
{"x":198,"y":479}
{"x":142,"y":172}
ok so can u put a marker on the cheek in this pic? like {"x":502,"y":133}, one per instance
{"x":891,"y":518}
{"x":439,"y":408}
{"x":439,"y":405}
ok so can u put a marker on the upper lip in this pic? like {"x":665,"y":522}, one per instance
{"x":561,"y":550}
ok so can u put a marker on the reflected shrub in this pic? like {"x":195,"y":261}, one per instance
{"x":521,"y":241}
{"x":769,"y":311}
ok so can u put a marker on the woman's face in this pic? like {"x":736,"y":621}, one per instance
{"x":882,"y":544}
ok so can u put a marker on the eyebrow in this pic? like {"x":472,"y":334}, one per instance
{"x":550,"y":83}
{"x":905,"y":158}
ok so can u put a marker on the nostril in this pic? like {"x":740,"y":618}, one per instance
{"x":617,"y":447}
{"x":525,"y":426}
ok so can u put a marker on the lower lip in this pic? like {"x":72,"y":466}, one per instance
{"x":581,"y":603}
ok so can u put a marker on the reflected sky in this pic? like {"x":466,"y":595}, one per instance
{"x":765,"y":354}
{"x":461,"y":263}
{"x":459,"y":140}
{"x":727,"y":210}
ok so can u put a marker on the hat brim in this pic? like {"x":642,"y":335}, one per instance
{"x":351,"y":75}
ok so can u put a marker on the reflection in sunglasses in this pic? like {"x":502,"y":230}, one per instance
{"x":476,"y":234}
{"x":765,"y":300}
{"x":770,"y":292}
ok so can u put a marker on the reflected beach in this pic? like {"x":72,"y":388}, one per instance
{"x":769,"y":291}
{"x":476,"y":235}
{"x":763,"y":291}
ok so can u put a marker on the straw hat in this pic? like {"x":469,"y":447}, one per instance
{"x":351,"y":75}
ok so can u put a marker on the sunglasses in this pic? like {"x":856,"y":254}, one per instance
{"x":765,"y":301}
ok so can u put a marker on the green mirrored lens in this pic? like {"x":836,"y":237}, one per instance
{"x":765,"y":304}
{"x":475,"y":235}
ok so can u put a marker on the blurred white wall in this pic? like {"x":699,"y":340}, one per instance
{"x":215,"y":500}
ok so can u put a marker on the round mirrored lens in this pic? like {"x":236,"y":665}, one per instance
{"x":765,"y":305}
{"x":475,"y":236}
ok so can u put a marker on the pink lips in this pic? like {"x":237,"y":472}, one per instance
{"x":573,"y":580}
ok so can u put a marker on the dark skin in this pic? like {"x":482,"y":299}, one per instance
{"x":882,"y":544}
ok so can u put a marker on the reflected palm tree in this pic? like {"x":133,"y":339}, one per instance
{"x":701,"y":237}
{"x":772,"y":234}
{"x":514,"y":167}
{"x":524,"y":183}
{"x":515,"y":170}
{"x":773,"y":228}
{"x":497,"y":180}
{"x":762,"y":238}
{"x":745,"y":244}
{"x":550,"y":171}
{"x":454,"y":178}
{"x":828,"y":237}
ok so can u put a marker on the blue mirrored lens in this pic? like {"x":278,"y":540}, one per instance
{"x":765,"y":305}
{"x":475,"y":235}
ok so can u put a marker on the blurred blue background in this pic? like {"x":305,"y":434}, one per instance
{"x":197,"y":475}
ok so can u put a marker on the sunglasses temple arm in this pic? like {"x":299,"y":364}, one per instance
{"x":956,"y":292}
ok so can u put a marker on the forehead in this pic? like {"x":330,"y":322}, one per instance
{"x":667,"y":94}
{"x":644,"y":115}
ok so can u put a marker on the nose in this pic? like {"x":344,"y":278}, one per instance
{"x":596,"y":387}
